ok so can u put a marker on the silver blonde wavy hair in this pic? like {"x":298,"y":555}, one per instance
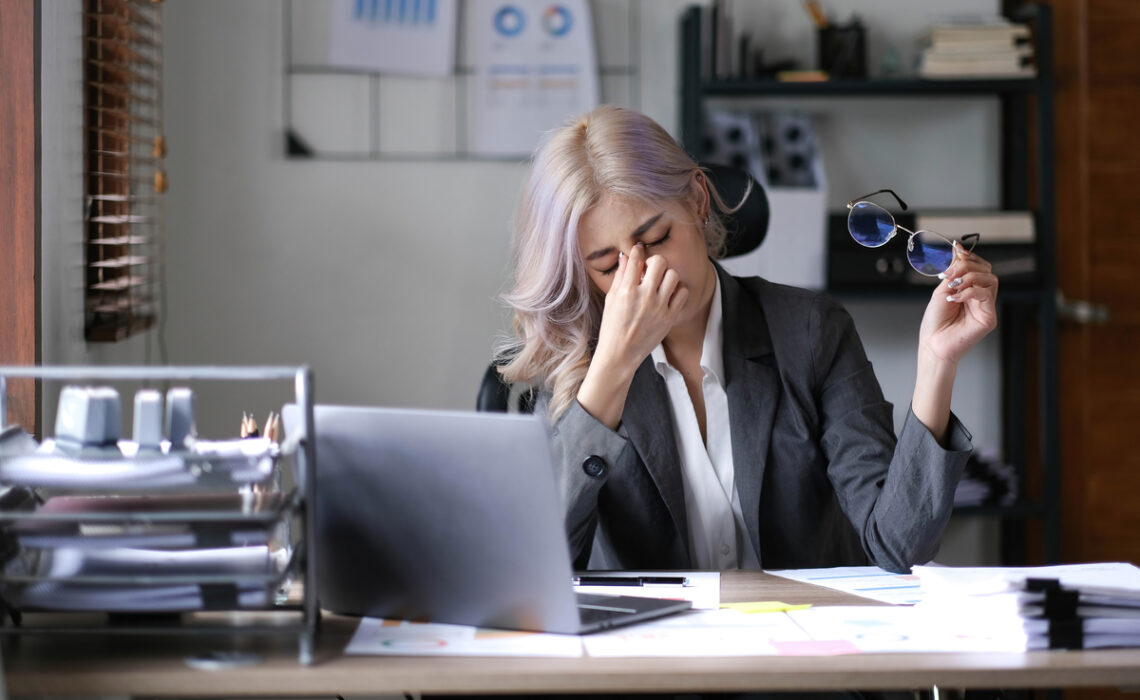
{"x":557,"y":311}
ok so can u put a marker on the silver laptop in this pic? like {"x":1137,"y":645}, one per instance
{"x":449,"y":517}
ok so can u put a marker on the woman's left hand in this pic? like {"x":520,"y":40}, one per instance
{"x":962,"y":309}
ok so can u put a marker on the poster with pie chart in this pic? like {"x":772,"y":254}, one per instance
{"x":534,"y":66}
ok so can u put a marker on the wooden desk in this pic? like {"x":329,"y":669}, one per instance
{"x":152,"y":666}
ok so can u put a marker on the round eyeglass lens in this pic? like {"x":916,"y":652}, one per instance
{"x":929,"y":253}
{"x":870,"y":224}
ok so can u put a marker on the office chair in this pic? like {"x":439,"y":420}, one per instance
{"x":746,"y":229}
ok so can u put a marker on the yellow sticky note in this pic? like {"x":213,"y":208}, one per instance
{"x":764,"y":606}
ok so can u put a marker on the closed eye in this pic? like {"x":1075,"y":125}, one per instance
{"x":661,"y":240}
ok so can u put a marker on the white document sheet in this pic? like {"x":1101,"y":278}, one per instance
{"x":879,"y":629}
{"x":1113,"y":579}
{"x":401,"y":638}
{"x":700,"y":633}
{"x":865,"y":581}
{"x":702,"y":589}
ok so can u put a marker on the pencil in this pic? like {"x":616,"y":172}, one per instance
{"x":816,"y":13}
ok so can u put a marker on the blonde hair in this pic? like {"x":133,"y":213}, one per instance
{"x":557,"y":311}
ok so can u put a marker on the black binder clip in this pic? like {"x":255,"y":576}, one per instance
{"x":1042,"y":584}
{"x":1060,"y":604}
{"x":1066,"y":634}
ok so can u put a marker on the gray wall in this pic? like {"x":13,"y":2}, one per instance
{"x":383,"y":275}
{"x":61,"y":208}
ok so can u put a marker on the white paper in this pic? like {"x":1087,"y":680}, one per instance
{"x":703,"y":589}
{"x":402,"y":638}
{"x":240,"y":461}
{"x":864,"y":581}
{"x":534,"y":67}
{"x":129,"y":562}
{"x":1106,"y":579}
{"x":699,"y":633}
{"x":109,"y":598}
{"x":409,"y":37}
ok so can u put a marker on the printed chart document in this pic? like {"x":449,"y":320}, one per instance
{"x":700,"y":633}
{"x":402,"y":638}
{"x":534,"y":67}
{"x":865,"y":581}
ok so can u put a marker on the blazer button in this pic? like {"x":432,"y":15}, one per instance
{"x":594,"y":466}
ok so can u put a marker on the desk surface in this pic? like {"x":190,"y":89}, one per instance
{"x":153,"y":666}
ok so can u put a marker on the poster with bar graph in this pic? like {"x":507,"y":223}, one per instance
{"x":404,"y":37}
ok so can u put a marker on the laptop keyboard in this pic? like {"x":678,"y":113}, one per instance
{"x":599,"y":608}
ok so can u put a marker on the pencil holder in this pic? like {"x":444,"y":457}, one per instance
{"x":842,"y":50}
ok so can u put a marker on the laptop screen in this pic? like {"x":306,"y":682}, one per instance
{"x":443,"y":516}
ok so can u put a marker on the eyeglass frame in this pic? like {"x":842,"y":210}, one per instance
{"x":971,"y":238}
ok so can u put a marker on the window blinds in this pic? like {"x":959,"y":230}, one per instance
{"x":125,"y":180}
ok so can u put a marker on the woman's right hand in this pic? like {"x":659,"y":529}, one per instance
{"x":642,"y":305}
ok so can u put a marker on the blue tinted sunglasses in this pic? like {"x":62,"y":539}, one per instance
{"x":929,"y":253}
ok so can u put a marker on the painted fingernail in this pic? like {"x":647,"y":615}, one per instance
{"x":941,"y":275}
{"x":955,"y":283}
{"x":952,"y":297}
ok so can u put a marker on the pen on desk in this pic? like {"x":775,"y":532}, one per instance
{"x":631,"y":581}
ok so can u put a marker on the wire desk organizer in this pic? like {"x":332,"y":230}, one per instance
{"x":204,"y":500}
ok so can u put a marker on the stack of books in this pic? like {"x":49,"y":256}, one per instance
{"x":1077,"y":606}
{"x":980,"y":49}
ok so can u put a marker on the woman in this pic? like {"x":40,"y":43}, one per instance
{"x":701,"y":420}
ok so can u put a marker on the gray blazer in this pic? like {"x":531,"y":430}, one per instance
{"x":822,"y":481}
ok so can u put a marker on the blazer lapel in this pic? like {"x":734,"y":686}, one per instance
{"x":649,"y":425}
{"x":752,"y":384}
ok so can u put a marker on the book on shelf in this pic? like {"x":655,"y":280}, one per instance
{"x":995,"y":226}
{"x":988,"y":64}
{"x":989,"y":49}
{"x":965,"y":29}
{"x":981,"y":36}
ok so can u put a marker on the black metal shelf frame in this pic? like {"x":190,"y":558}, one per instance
{"x":1021,"y":100}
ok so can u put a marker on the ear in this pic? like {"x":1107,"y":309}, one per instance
{"x":699,"y":184}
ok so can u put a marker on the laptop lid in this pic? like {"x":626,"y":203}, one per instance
{"x":442,"y":516}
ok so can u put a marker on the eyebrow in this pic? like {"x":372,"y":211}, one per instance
{"x":637,"y":232}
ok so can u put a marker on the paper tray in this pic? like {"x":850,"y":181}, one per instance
{"x":208,"y":466}
{"x":166,"y":521}
{"x":134,"y":580}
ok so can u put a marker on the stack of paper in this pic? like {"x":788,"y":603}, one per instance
{"x":121,"y":579}
{"x":124,"y":468}
{"x":1080,"y":606}
{"x":991,"y":48}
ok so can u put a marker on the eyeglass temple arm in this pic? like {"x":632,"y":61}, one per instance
{"x":868,"y":196}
